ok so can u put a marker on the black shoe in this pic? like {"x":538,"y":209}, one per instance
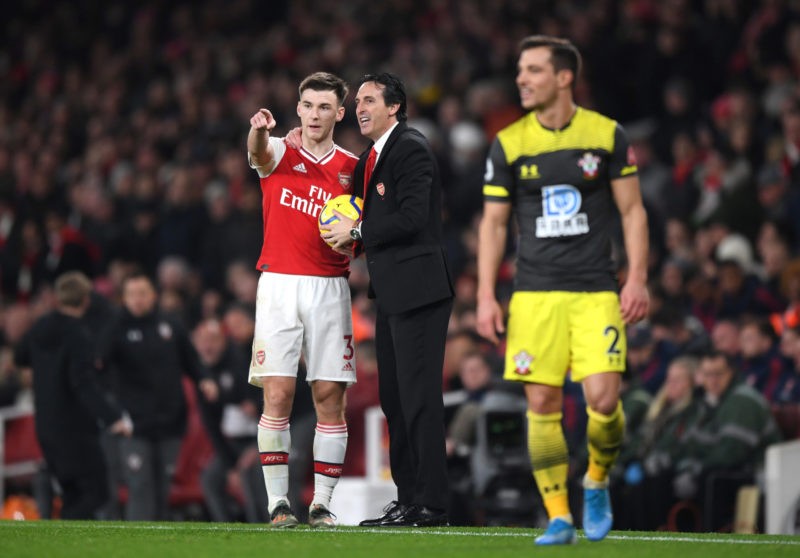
{"x":391,"y":513}
{"x":423,"y":516}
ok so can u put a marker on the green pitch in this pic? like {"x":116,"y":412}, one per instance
{"x":200,"y":540}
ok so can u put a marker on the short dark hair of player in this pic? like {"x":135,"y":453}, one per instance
{"x":394,"y":92}
{"x":72,"y":289}
{"x":563,"y":53}
{"x":323,"y":81}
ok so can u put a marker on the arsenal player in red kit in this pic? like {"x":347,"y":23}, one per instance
{"x":303,"y":302}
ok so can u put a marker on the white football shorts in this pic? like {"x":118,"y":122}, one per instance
{"x":303,"y":315}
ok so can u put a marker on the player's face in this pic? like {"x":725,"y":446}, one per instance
{"x":537,"y":80}
{"x":374,"y":116}
{"x":319,"y":111}
{"x":139,"y":296}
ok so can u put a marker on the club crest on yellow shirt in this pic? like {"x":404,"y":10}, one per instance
{"x":590,"y":164}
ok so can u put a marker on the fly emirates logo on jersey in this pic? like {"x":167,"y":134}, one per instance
{"x":310,"y":204}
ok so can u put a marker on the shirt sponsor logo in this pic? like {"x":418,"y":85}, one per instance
{"x":590,"y":164}
{"x":310,"y":205}
{"x":560,"y":213}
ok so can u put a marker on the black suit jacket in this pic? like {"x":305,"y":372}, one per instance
{"x":70,"y":402}
{"x":401,"y":225}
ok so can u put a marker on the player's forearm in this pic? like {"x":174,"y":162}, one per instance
{"x":634,"y":226}
{"x":258,"y":146}
{"x":491,"y":246}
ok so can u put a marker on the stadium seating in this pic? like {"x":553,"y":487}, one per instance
{"x":20,"y":454}
{"x":787,"y":415}
{"x":196,"y":451}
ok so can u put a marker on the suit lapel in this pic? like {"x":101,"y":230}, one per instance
{"x":390,"y":141}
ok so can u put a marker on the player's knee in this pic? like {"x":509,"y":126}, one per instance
{"x":330,"y":409}
{"x":606,"y":404}
{"x":544,"y":401}
{"x":278,"y":402}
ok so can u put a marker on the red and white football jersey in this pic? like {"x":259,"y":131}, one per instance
{"x":292,"y":196}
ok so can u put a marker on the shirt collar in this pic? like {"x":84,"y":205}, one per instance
{"x":378,"y":145}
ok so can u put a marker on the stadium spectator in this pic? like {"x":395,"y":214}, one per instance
{"x":788,"y":390}
{"x":762,"y":366}
{"x":729,"y":434}
{"x":232,"y":423}
{"x":148,"y":354}
{"x":648,"y":357}
{"x":648,"y":454}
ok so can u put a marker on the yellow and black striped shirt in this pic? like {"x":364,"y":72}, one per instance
{"x":560,"y":184}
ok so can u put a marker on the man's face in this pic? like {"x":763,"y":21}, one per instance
{"x":715,"y":374}
{"x":319,"y":111}
{"x":537,"y":79}
{"x":139,"y":296}
{"x":752,"y":342}
{"x":374,"y":115}
{"x":209,"y":340}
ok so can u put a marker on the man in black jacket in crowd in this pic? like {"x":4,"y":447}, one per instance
{"x":70,"y":402}
{"x":148,"y":354}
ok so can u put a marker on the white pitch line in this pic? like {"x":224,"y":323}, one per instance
{"x":436,"y":532}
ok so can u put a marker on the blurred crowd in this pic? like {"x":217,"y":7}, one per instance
{"x":122,"y":146}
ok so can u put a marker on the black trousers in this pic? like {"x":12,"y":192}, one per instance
{"x":410,"y":354}
{"x":82,"y":497}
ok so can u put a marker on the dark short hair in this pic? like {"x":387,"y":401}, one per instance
{"x":72,"y":289}
{"x":716,"y":354}
{"x":135,"y":275}
{"x":394,"y":92}
{"x":563,"y":53}
{"x":324,"y":81}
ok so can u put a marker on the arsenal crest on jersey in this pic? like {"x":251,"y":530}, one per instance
{"x":345,"y":180}
{"x":590,"y":164}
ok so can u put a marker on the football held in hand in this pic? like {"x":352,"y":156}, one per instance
{"x":348,"y":205}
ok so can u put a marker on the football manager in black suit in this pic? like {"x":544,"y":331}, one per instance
{"x":70,"y":402}
{"x":400,"y":233}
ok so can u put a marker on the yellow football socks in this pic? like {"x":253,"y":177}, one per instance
{"x":547,"y":448}
{"x":604,"y":434}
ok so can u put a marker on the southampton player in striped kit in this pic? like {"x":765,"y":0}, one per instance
{"x":303,"y":303}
